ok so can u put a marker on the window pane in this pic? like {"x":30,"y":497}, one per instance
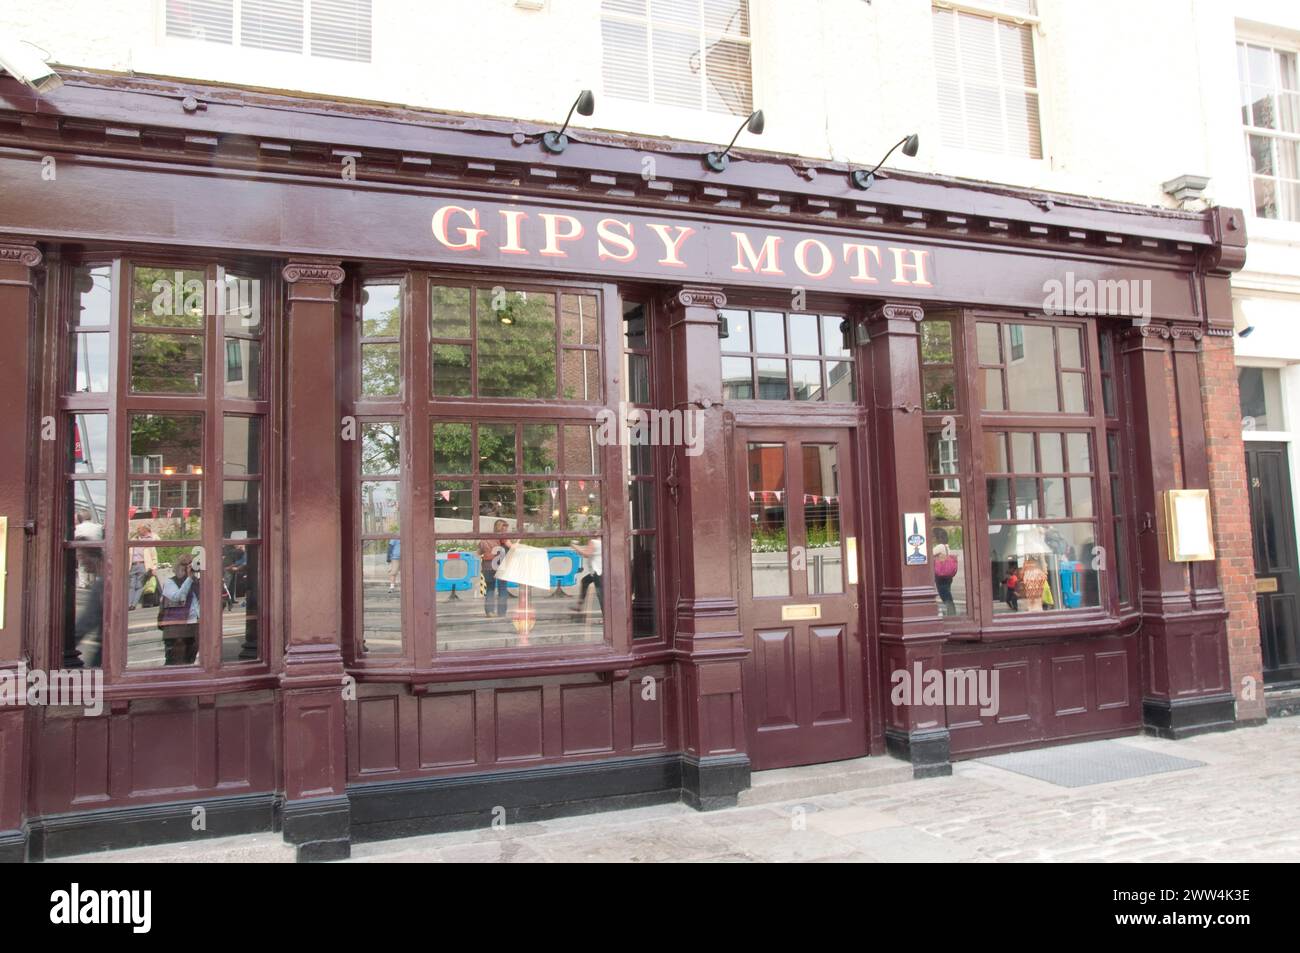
{"x":803,"y":334}
{"x":999,"y":499}
{"x":1070,"y":341}
{"x":773,"y":383}
{"x":381,"y":311}
{"x":584,"y":505}
{"x":171,"y":509}
{"x":240,"y":630}
{"x":581,"y":450}
{"x":83,"y":607}
{"x":169,"y":444}
{"x":90,"y":363}
{"x":449,"y":312}
{"x":1022,"y":453}
{"x":996,"y":459}
{"x":635,"y":334}
{"x":939,"y":385}
{"x":737,"y":378}
{"x":737,"y":339}
{"x":541,"y":447}
{"x":168,"y":298}
{"x":516,"y":344}
{"x":1043,"y":567}
{"x":451,"y":370}
{"x":1031,"y":384}
{"x":243,"y":368}
{"x":807,"y":379}
{"x":88,"y":452}
{"x":381,"y":597}
{"x":381,"y":370}
{"x":580,"y":322}
{"x":581,"y":375}
{"x":1081,"y":497}
{"x":497,"y":593}
{"x":166,"y":363}
{"x":641,"y":504}
{"x":381,"y":450}
{"x":639,"y":459}
{"x":821,"y":508}
{"x":1026,"y":499}
{"x":769,"y":332}
{"x":87,"y":509}
{"x":636,"y":379}
{"x":1073,"y":393}
{"x":453,"y":507}
{"x":497,"y":503}
{"x":94,"y":285}
{"x":948,"y":559}
{"x":936,"y":342}
{"x":1079,"y":447}
{"x":379,"y":506}
{"x":992,"y":390}
{"x":839,"y":382}
{"x":242,"y":308}
{"x":1054,"y":498}
{"x":768,"y":542}
{"x":241,"y":510}
{"x":941,"y":453}
{"x":1261,"y":398}
{"x":166,"y":633}
{"x":833,"y":337}
{"x":990,"y":351}
{"x":642,"y":581}
{"x":1051,"y":453}
{"x":452,"y":448}
{"x":242,"y":445}
{"x":496,"y":448}
{"x":541,"y":506}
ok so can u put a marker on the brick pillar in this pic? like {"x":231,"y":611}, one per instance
{"x":911,"y":633}
{"x":316,"y":813}
{"x":707,"y":636}
{"x":1225,"y":456}
{"x":1185,"y":673}
{"x":18,"y":263}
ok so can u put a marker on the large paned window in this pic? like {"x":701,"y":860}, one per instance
{"x":691,"y":54}
{"x":485,"y":473}
{"x":778,"y":355}
{"x":1046,"y":488}
{"x":335,"y":29}
{"x":945,"y":422}
{"x":1270,"y":115}
{"x":641,"y":470}
{"x":987,"y":76}
{"x":164,"y":408}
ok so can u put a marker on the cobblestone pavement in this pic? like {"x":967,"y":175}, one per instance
{"x":1242,"y":805}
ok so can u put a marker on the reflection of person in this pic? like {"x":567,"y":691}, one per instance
{"x":945,"y":570}
{"x":591,"y":552}
{"x":144,"y":559}
{"x":86,"y":640}
{"x":181,"y":641}
{"x":1010,"y":583}
{"x":394,"y":559}
{"x":1033,"y":579}
{"x":491,"y":554}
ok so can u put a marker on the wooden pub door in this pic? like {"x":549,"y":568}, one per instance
{"x":799,"y":596}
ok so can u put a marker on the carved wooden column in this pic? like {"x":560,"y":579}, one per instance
{"x":707,"y":636}
{"x":911,"y":633}
{"x":19,"y":260}
{"x":316,"y":812}
{"x":1185,"y":676}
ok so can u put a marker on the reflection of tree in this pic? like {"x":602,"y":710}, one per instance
{"x":516,"y":345}
{"x":381,"y":448}
{"x":156,"y":434}
{"x":166,"y":363}
{"x":380,"y":368}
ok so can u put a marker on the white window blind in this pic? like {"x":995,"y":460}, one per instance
{"x":1270,"y":113}
{"x":337,"y":29}
{"x":694,"y":54}
{"x":987,"y":79}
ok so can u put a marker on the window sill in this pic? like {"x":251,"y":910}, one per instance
{"x":513,"y":663}
{"x":1050,"y":628}
{"x":153,"y":684}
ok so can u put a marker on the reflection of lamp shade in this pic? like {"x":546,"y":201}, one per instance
{"x":526,"y":566}
{"x":1031,"y":541}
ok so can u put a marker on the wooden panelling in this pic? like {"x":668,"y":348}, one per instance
{"x":448,"y":729}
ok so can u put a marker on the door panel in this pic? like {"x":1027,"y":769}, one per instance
{"x":1277,"y":581}
{"x":804,"y":680}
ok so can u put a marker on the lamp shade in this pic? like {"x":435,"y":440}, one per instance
{"x":526,"y":566}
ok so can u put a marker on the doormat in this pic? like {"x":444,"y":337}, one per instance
{"x":1092,"y":762}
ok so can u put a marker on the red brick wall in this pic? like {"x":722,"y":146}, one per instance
{"x":1231,"y":504}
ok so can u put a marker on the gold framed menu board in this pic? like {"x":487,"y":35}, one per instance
{"x":1191,"y":532}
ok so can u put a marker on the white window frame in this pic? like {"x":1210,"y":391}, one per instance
{"x":236,"y":28}
{"x":1274,"y":46}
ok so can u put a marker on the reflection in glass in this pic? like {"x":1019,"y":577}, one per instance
{"x":449,"y":312}
{"x":833,"y":336}
{"x":1040,"y":567}
{"x":583,"y":505}
{"x":737,"y":378}
{"x":496,"y":501}
{"x":381,"y":370}
{"x":242,"y":445}
{"x":642,"y":583}
{"x":168,"y":298}
{"x":737,"y":339}
{"x":169,"y":444}
{"x":243,"y":368}
{"x":451,"y":370}
{"x":94,"y":286}
{"x":807,"y":379}
{"x":580,"y":322}
{"x":241,"y":510}
{"x":163,"y":628}
{"x":1031,"y":356}
{"x":773,"y":380}
{"x":381,"y":597}
{"x":497,"y":592}
{"x":452,"y":448}
{"x":839,"y":382}
{"x":939,"y":387}
{"x":496,"y":448}
{"x":581,"y":375}
{"x":166,"y":363}
{"x":581,"y":449}
{"x":90,"y":363}
{"x":803,"y":334}
{"x":768,"y":541}
{"x":453,"y":507}
{"x":541,"y":447}
{"x":821,"y":508}
{"x":381,"y":311}
{"x":88,"y":452}
{"x":948,"y":560}
{"x":381,"y":449}
{"x":769,"y":332}
{"x":83,"y":607}
{"x":240,"y":633}
{"x":516,"y":344}
{"x":541,"y":500}
{"x":379,"y":506}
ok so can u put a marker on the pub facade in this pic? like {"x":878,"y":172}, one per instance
{"x":390,"y":471}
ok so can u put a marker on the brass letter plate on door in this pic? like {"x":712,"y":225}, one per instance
{"x":1266,"y":585}
{"x":808,"y":610}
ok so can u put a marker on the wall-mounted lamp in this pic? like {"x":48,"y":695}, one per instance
{"x":717,"y":161}
{"x":865,"y":180}
{"x":557,"y":142}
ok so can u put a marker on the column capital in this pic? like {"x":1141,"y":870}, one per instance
{"x":1147,"y":337}
{"x":893,"y":317}
{"x":20,"y":252}
{"x":322,"y":270}
{"x":696,"y":296}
